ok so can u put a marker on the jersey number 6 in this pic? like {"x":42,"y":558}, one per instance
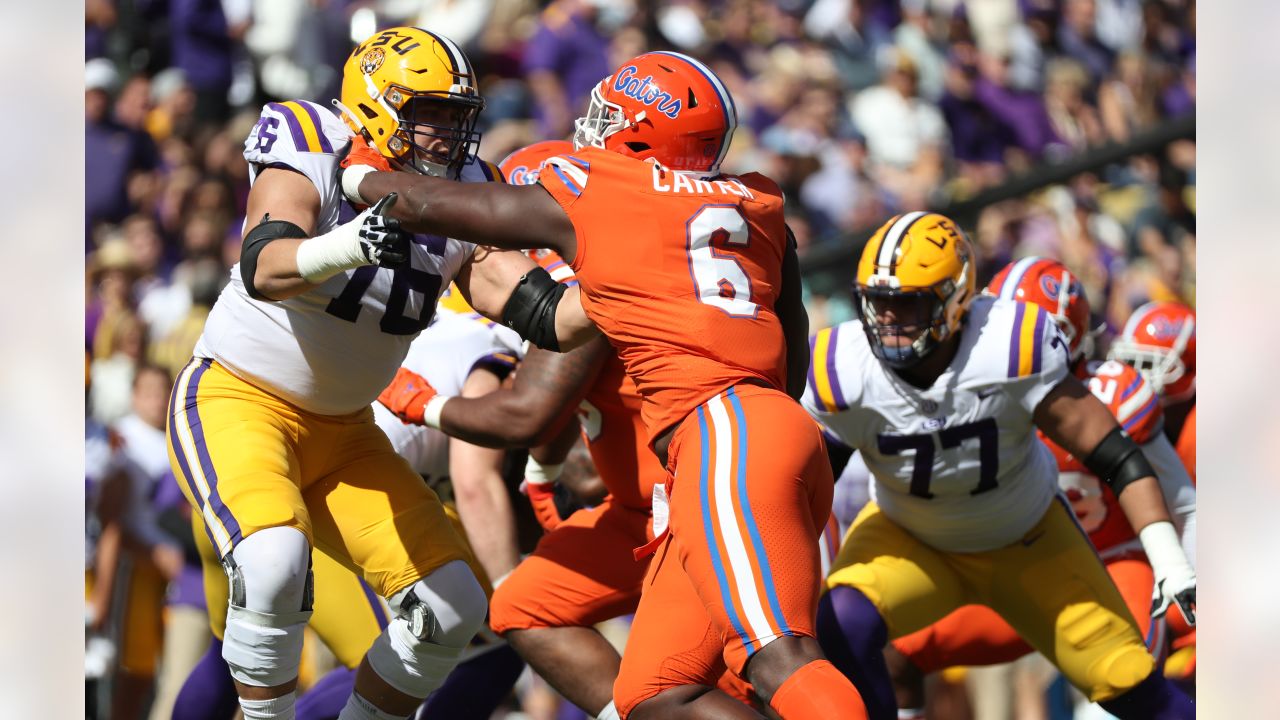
{"x":718,"y":278}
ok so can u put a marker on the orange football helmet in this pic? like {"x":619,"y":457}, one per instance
{"x":665,"y":106}
{"x":521,"y":166}
{"x":1160,"y":341}
{"x":1049,"y":284}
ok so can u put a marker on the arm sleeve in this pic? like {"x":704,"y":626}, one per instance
{"x":1179,"y":494}
{"x":1038,"y":356}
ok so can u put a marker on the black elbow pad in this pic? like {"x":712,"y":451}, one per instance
{"x":265,"y":232}
{"x":531,"y":311}
{"x":1118,"y":461}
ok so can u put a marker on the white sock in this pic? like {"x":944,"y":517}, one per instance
{"x":280,"y":708}
{"x":608,"y":713}
{"x":911,"y":714}
{"x":358,"y":708}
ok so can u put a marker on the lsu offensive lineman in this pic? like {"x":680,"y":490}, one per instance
{"x":942,"y":392}
{"x":271,"y":432}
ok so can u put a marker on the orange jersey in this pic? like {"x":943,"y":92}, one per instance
{"x":1187,"y":443}
{"x":1137,"y":408}
{"x":611,"y":423}
{"x":680,"y":274}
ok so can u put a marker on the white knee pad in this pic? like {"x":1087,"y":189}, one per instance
{"x":270,"y":604}
{"x":435,"y":619}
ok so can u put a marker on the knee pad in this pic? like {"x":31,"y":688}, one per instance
{"x":269,"y":606}
{"x":435,"y":619}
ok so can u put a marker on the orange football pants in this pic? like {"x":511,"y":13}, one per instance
{"x":975,"y":636}
{"x":750,"y":489}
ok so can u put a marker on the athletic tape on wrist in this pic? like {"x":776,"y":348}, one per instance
{"x":351,"y":178}
{"x":431,"y":412}
{"x":538,"y":474}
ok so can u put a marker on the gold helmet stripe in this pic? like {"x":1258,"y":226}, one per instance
{"x":887,"y":258}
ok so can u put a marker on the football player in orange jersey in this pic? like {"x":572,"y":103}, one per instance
{"x":583,"y":572}
{"x":975,"y":635}
{"x":693,"y":277}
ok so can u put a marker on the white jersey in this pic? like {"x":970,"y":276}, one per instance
{"x":958,"y":464}
{"x":333,"y":349}
{"x":445,"y":354}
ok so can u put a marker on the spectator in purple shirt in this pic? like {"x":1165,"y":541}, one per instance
{"x":1021,"y":113}
{"x":1077,"y":37}
{"x":113,"y":153}
{"x":201,"y":47}
{"x":564,"y":59}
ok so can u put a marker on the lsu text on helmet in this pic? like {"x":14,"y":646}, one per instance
{"x":413,"y":94}
{"x":521,"y":166}
{"x":1049,"y":284}
{"x":915,"y":282}
{"x":1160,"y":342}
{"x":663,"y":106}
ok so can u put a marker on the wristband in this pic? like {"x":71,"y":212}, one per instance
{"x":351,"y":178}
{"x":320,"y":258}
{"x":432,"y":410}
{"x":538,"y":474}
{"x":1164,"y":552}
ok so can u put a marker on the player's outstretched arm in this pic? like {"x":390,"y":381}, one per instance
{"x":794,"y":319}
{"x":515,"y":217}
{"x":1072,"y":417}
{"x":507,"y":287}
{"x":280,"y":257}
{"x":481,"y":493}
{"x":547,"y":389}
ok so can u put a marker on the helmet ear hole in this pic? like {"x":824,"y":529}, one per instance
{"x":693,"y":101}
{"x":368,"y":111}
{"x":637,"y":147}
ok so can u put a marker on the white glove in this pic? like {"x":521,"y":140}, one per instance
{"x":1175,"y":580}
{"x":371,"y":238}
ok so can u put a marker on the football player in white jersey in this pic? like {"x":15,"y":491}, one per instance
{"x":942,"y":392}
{"x":271,"y":432}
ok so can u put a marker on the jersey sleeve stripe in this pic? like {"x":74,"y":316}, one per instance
{"x":826,"y":381}
{"x":579,"y":162}
{"x":1015,"y":342}
{"x":1140,"y":415}
{"x":1132,"y":387}
{"x":325,"y":146}
{"x":1024,"y":349}
{"x":310,"y":132}
{"x":567,"y":182}
{"x":1037,"y":341}
{"x":293,"y":118}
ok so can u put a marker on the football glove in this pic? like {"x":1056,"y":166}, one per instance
{"x":407,"y":396}
{"x":1175,"y":580}
{"x":383,"y":241}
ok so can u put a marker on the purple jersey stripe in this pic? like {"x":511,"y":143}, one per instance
{"x":832,"y":376}
{"x":1014,"y":343}
{"x":206,"y":463}
{"x":315,"y":118}
{"x":295,"y":128}
{"x":813,"y":383}
{"x":1038,"y":338}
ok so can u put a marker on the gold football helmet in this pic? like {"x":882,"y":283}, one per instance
{"x":915,"y":281}
{"x":412,"y":93}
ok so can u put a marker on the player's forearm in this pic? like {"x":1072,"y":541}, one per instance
{"x":487,"y":516}
{"x":502,"y":419}
{"x":795,"y":321}
{"x":1143,"y":503}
